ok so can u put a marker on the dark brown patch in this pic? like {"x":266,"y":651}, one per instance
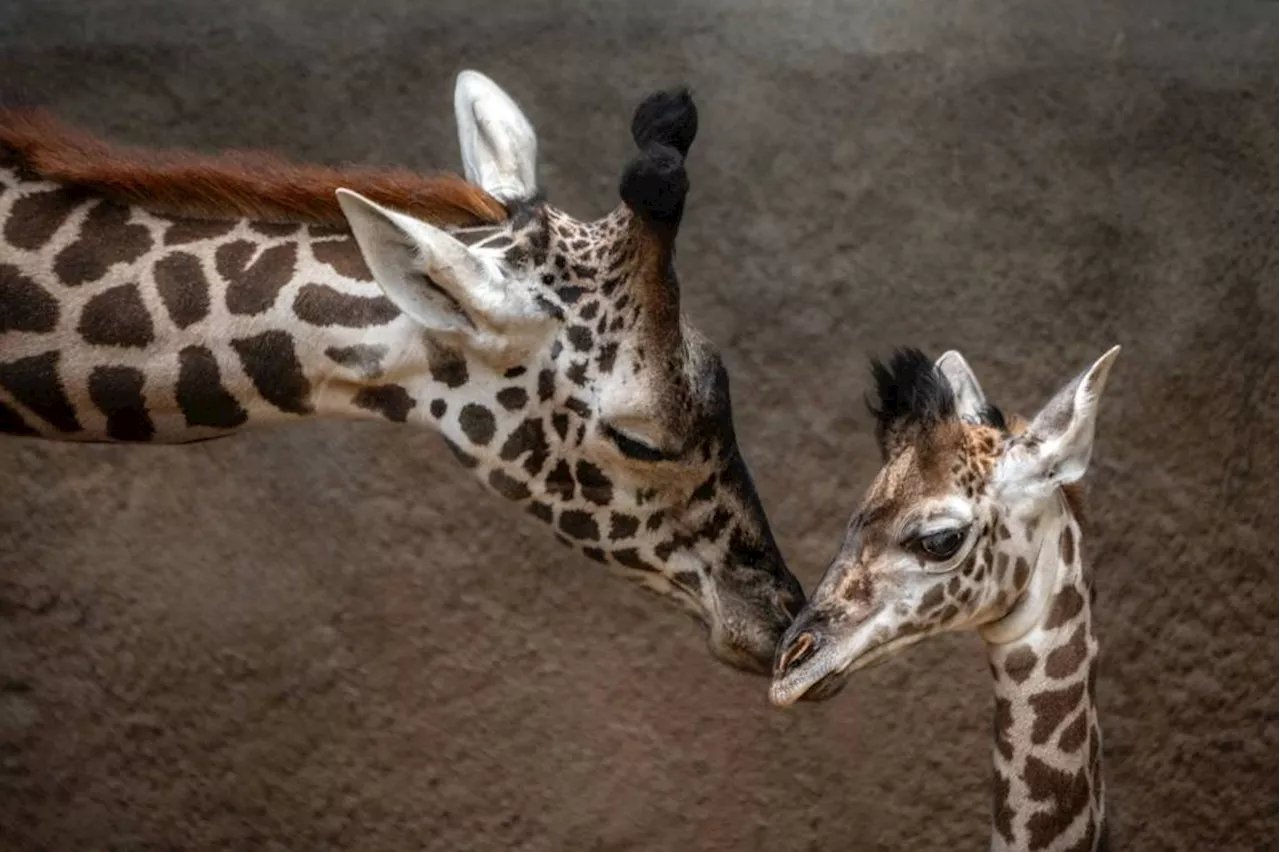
{"x":579,"y":338}
{"x":579,"y":525}
{"x":629,"y":557}
{"x":1066,"y":793}
{"x":513,"y":399}
{"x":1073,"y":735}
{"x":391,"y":401}
{"x":270,"y":361}
{"x":34,"y":382}
{"x":546,"y":385}
{"x":560,"y":481}
{"x":24,"y":305}
{"x":608,"y":353}
{"x":1021,"y":573}
{"x":345,"y":258}
{"x":1067,"y":546}
{"x":596,"y":487}
{"x":438,"y":408}
{"x":931,"y":600}
{"x":1002,"y":725}
{"x":117,"y":317}
{"x":35,"y":218}
{"x":184,"y":290}
{"x":106,"y":238}
{"x":512,"y":489}
{"x":184,"y":231}
{"x":622,"y":526}
{"x":254,"y":279}
{"x":117,"y":392}
{"x":322,"y":305}
{"x":477,"y":423}
{"x":200,"y":394}
{"x":1067,"y":604}
{"x":560,"y":422}
{"x":11,"y":423}
{"x":1020,"y":663}
{"x":1051,"y":707}
{"x":364,"y":358}
{"x":542,"y":512}
{"x":1067,"y":659}
{"x":449,"y":367}
{"x":529,"y":437}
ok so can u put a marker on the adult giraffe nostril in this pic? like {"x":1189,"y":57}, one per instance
{"x":788,"y":604}
{"x":799,"y":650}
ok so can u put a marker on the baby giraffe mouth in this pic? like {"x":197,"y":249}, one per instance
{"x":815,"y":667}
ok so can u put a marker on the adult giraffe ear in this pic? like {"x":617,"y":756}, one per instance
{"x":1056,"y":448}
{"x":970,"y":400}
{"x":424,"y":271}
{"x":499,"y":147}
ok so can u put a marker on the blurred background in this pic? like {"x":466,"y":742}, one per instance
{"x":331,"y":637}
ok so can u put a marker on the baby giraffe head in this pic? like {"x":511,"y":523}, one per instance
{"x":562,"y":372}
{"x":949,"y":536}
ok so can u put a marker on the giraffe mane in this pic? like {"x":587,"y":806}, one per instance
{"x":235,"y":184}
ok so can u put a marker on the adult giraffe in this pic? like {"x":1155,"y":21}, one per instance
{"x":173,"y":298}
{"x":973,"y":524}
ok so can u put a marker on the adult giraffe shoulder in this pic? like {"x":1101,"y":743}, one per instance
{"x":169,"y":298}
{"x":973,"y":524}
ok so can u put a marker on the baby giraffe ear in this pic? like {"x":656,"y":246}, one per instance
{"x":970,"y":400}
{"x":424,"y":271}
{"x":499,"y":147}
{"x":1056,"y":448}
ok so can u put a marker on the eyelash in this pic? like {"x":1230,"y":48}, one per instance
{"x":633,"y":449}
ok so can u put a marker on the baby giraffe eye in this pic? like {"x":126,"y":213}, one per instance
{"x":940,"y":545}
{"x":633,"y":449}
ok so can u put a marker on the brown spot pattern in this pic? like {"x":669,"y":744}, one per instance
{"x":344,"y":257}
{"x":1020,"y":663}
{"x":391,"y":401}
{"x":272,"y":364}
{"x":117,"y":392}
{"x":1066,"y":793}
{"x":200,"y":394}
{"x":117,"y":317}
{"x":1074,"y":734}
{"x":321,"y":305}
{"x":507,"y":486}
{"x":1050,"y":708}
{"x":1066,"y":606}
{"x":254,"y":279}
{"x":1068,"y":546}
{"x":364,"y":358}
{"x":1003,"y":820}
{"x":1067,"y":659}
{"x":106,"y":238}
{"x":183,"y":289}
{"x":25,"y":305}
{"x":35,"y":218}
{"x":34,"y":382}
{"x":477,"y":423}
{"x":1002,"y":725}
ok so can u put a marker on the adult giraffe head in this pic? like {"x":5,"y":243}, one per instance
{"x":563,"y":373}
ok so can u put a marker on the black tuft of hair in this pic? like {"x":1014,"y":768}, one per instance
{"x":993,"y":417}
{"x":666,"y":118}
{"x":655,"y":185}
{"x":910,"y":391}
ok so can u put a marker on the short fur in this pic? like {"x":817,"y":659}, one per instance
{"x":232,"y":185}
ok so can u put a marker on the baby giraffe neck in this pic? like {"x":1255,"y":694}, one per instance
{"x":1047,"y":751}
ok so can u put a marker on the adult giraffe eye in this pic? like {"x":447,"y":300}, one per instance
{"x":633,"y":449}
{"x":941,"y":545}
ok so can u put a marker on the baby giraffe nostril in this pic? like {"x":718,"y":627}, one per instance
{"x":801,"y":647}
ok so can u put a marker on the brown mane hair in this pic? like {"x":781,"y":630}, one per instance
{"x":235,"y":184}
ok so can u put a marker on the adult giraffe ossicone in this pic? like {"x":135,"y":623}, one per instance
{"x":971,"y":524}
{"x":550,"y":353}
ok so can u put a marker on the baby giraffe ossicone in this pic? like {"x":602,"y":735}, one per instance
{"x":972,"y":523}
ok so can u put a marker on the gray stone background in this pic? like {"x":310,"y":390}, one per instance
{"x":329,"y":637}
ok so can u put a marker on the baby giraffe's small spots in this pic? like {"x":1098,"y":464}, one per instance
{"x":596,"y":487}
{"x":579,"y":525}
{"x":1020,"y":663}
{"x":513,"y":399}
{"x":1068,"y":546}
{"x":608,"y":352}
{"x":589,"y":310}
{"x":622,"y":526}
{"x":577,"y":373}
{"x":560,"y":481}
{"x":391,"y":401}
{"x":477,"y":423}
{"x":560,"y":422}
{"x":438,"y":408}
{"x":507,"y":486}
{"x":655,"y":520}
{"x":579,"y":337}
{"x":515,"y":372}
{"x":546,"y":385}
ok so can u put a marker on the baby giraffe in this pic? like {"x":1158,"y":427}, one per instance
{"x":972,"y":524}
